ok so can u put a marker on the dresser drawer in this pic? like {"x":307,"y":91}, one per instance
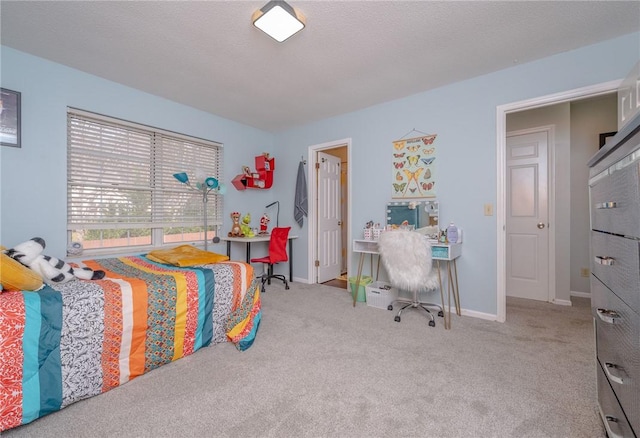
{"x":613,"y":417}
{"x":618,"y":347}
{"x":615,"y":201}
{"x":616,"y":262}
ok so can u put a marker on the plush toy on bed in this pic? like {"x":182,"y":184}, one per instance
{"x":52,"y":270}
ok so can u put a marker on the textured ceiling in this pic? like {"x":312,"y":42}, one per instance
{"x":352,"y":54}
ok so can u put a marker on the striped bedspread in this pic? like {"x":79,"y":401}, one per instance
{"x":76,"y":340}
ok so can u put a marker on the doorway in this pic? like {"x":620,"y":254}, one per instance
{"x":329,"y":211}
{"x":501,"y":201}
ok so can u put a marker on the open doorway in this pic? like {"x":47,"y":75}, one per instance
{"x":559,"y":217}
{"x":329,"y":234}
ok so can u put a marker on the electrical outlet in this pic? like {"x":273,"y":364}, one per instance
{"x":488,"y":209}
{"x":584,"y":272}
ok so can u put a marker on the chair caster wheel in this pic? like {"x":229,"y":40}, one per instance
{"x":389,"y":307}
{"x":286,"y":287}
{"x":441,"y":314}
{"x":396,"y":319}
{"x":432,"y":323}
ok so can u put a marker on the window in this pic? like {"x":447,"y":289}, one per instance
{"x":121,"y":193}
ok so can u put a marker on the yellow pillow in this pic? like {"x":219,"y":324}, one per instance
{"x":15,"y":276}
{"x":185,"y":255}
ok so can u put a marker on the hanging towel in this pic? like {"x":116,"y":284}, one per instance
{"x":300,"y":204}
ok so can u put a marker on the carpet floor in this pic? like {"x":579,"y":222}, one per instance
{"x":323,"y":368}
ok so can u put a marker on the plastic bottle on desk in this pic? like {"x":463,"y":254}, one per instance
{"x":452,"y":233}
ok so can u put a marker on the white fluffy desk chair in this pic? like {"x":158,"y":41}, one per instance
{"x":406,"y":256}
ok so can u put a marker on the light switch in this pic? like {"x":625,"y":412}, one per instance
{"x":488,"y":209}
{"x":584,"y":272}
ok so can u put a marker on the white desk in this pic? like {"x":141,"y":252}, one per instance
{"x":259,"y":238}
{"x":440,"y":252}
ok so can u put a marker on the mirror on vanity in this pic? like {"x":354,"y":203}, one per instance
{"x":420,"y":214}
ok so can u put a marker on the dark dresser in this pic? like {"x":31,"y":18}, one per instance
{"x":614,"y":190}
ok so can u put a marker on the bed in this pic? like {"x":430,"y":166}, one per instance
{"x":71,"y":341}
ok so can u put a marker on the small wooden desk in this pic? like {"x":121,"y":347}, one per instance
{"x":260,"y":238}
{"x":440,"y":252}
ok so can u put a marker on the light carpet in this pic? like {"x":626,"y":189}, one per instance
{"x":322,"y":368}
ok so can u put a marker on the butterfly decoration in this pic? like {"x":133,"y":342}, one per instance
{"x":413,"y":148}
{"x":399,"y":176}
{"x":429,"y":151}
{"x":427,"y":173}
{"x":428,"y":186}
{"x":398,"y":164}
{"x":428,"y":161}
{"x":399,"y":155}
{"x":412,"y":190}
{"x":399,"y":187}
{"x":413,"y":159}
{"x":399,"y":145}
{"x":428,"y":140}
{"x":413,"y":175}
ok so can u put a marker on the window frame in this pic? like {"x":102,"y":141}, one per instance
{"x":145,"y":171}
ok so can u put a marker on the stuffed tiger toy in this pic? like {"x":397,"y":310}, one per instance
{"x":52,"y":270}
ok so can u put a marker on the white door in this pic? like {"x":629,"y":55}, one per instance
{"x":527,"y":232}
{"x":328,"y":208}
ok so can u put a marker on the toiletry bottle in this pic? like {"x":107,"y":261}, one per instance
{"x":452,"y":233}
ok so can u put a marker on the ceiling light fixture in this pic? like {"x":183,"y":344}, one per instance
{"x":278,"y":20}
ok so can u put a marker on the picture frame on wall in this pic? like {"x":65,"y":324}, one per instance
{"x":10,"y":118}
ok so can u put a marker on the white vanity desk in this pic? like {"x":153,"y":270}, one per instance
{"x":440,"y":252}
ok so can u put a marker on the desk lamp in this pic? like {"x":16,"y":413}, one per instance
{"x":208,"y":185}
{"x":277,"y":212}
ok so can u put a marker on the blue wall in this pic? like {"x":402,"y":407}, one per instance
{"x":463,"y":115}
{"x":34,"y":177}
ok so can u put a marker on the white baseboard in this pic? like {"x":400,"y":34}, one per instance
{"x":561,"y":302}
{"x":580,"y":294}
{"x":480,"y":315}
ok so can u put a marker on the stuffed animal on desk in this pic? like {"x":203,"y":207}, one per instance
{"x":264,"y":224}
{"x":245,"y":226}
{"x":236,"y":231}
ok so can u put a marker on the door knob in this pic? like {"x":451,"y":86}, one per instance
{"x":540,"y":225}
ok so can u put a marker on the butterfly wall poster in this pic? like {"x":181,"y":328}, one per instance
{"x":414,"y":167}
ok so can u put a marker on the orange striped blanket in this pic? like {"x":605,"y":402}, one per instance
{"x":72,"y":341}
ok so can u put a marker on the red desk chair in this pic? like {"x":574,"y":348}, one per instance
{"x":277,"y":254}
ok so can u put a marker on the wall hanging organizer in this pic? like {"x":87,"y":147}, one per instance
{"x":261,"y":178}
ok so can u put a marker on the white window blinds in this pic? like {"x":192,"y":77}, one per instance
{"x":120,"y":175}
